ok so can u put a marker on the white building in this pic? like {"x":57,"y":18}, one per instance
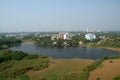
{"x":64,"y":35}
{"x":90,"y":36}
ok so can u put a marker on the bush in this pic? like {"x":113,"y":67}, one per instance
{"x":117,"y":78}
{"x":111,"y":61}
{"x":22,"y":77}
{"x":84,"y":75}
{"x":18,"y":55}
{"x":97,"y":78}
{"x":32,"y":56}
{"x":12,"y":55}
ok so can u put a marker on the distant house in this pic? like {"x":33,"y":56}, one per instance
{"x":90,"y":36}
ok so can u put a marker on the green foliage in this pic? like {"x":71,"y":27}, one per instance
{"x":9,"y":41}
{"x":60,"y":43}
{"x":12,"y":55}
{"x":94,"y":65}
{"x":32,"y":56}
{"x":117,"y":77}
{"x":97,"y":78}
{"x":72,"y":76}
{"x":114,"y":57}
{"x":84,"y":75}
{"x":18,"y":55}
{"x":22,"y":77}
{"x":5,"y":43}
{"x":15,"y":63}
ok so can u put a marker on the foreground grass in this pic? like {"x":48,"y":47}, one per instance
{"x":59,"y":68}
{"x":22,"y":77}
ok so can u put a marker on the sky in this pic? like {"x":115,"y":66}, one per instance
{"x":59,"y":15}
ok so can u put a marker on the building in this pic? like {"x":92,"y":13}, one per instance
{"x":61,"y":35}
{"x":64,"y":35}
{"x":90,"y":36}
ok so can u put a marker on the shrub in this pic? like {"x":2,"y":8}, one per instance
{"x":111,"y":61}
{"x":97,"y":78}
{"x":12,"y":55}
{"x":117,"y":77}
{"x":18,"y":55}
{"x":32,"y":56}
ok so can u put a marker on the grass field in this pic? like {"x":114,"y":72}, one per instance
{"x":60,"y":67}
{"x":108,"y":70}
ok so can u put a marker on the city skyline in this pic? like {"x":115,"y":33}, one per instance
{"x":59,"y":15}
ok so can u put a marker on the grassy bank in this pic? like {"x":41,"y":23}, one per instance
{"x":109,"y":48}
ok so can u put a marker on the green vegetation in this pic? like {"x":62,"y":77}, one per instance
{"x":110,"y":39}
{"x":46,"y":41}
{"x":117,"y":78}
{"x":29,"y":37}
{"x":13,"y":64}
{"x":22,"y":77}
{"x":7,"y":42}
{"x":97,"y":78}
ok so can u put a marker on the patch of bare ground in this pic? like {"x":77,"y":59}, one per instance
{"x":60,"y":67}
{"x":109,"y":69}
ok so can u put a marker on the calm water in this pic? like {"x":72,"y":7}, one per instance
{"x":66,"y":52}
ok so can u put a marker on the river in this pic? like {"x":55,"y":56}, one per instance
{"x":65,"y":52}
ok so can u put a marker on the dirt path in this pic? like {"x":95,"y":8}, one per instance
{"x":107,"y":71}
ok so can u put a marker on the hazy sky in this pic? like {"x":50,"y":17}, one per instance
{"x":59,"y":15}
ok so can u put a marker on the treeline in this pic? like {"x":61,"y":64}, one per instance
{"x":112,"y":42}
{"x":7,"y":42}
{"x":15,"y":63}
{"x":46,"y":41}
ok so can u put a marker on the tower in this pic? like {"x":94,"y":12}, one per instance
{"x":87,"y":30}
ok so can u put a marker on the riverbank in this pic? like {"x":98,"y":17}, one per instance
{"x":28,"y":41}
{"x":59,"y":68}
{"x":110,"y":48}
